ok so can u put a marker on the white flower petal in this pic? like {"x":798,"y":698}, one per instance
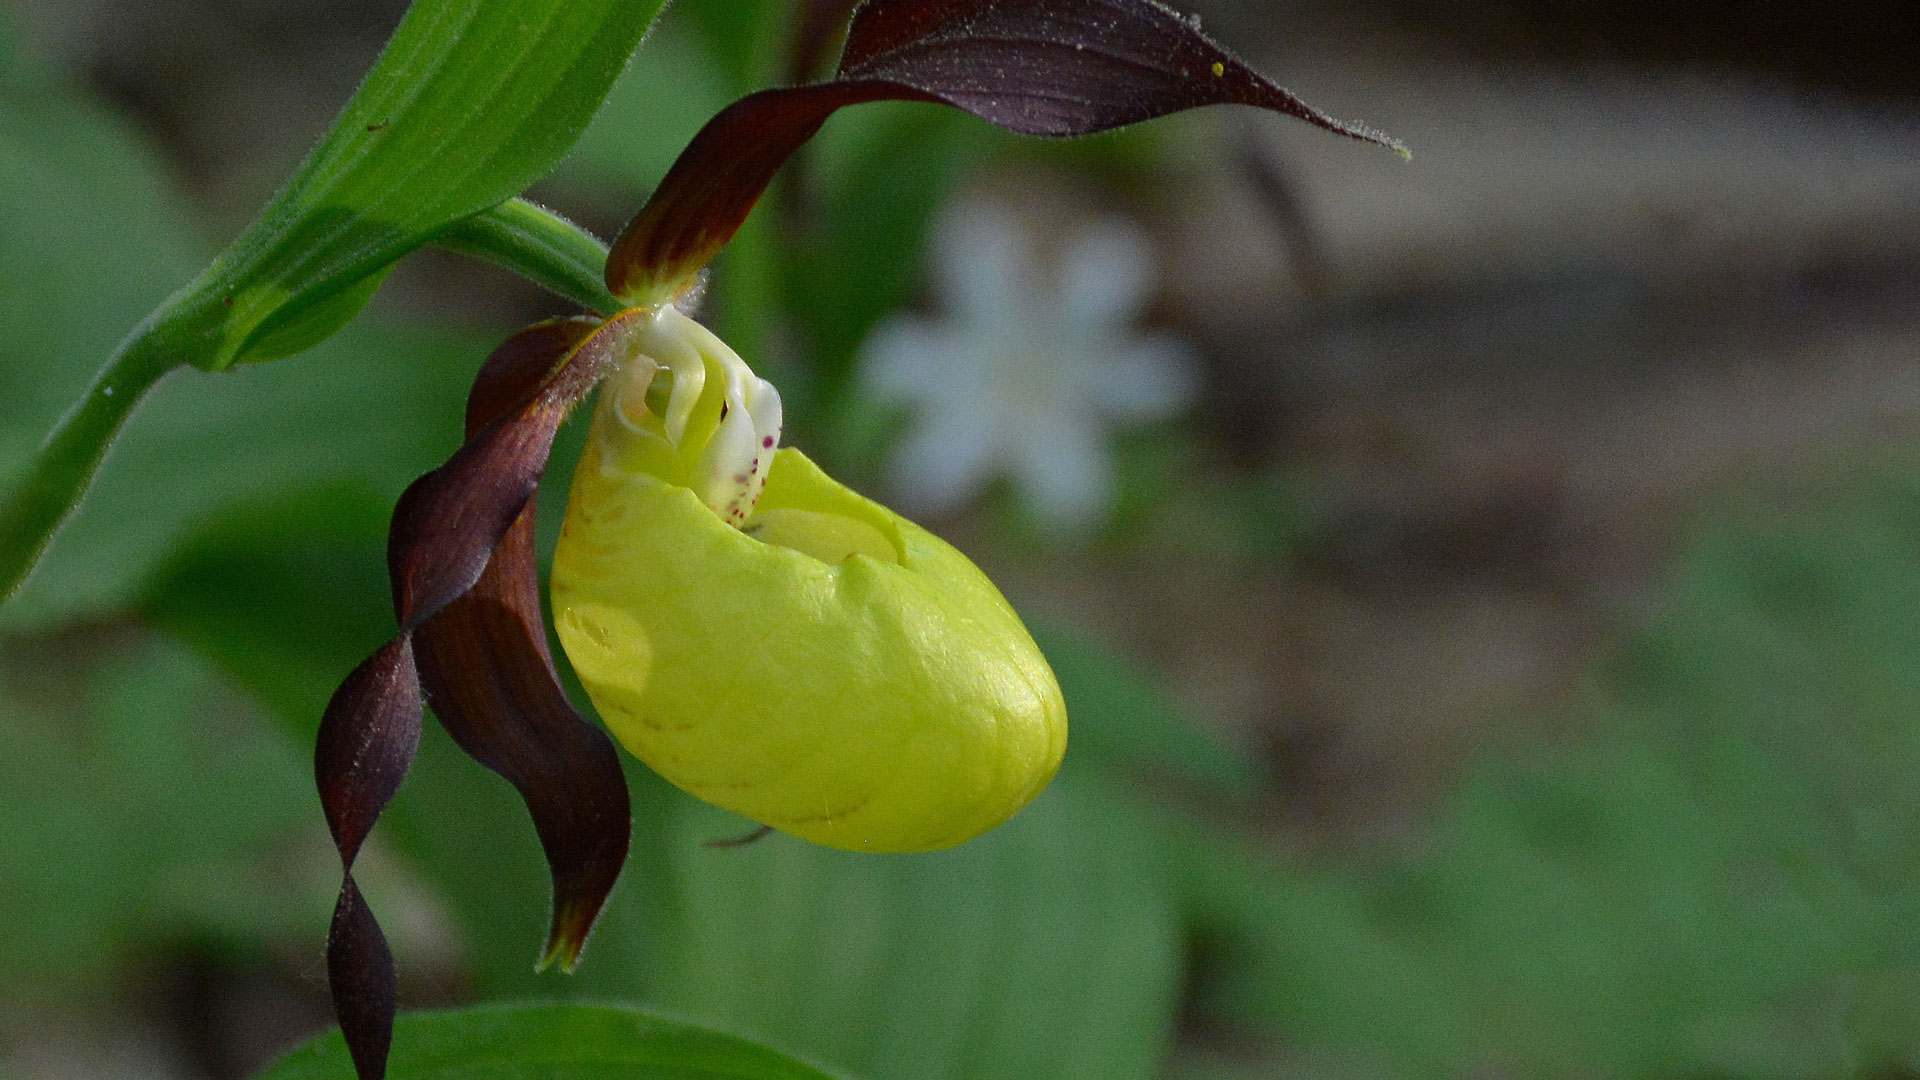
{"x":1145,"y":379}
{"x":1106,"y":270}
{"x":909,"y":360}
{"x":1023,"y":380}
{"x":983,"y":267}
{"x":1065,"y":471}
{"x":945,"y":459}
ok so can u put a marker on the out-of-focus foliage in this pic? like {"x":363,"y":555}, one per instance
{"x":552,"y":1042}
{"x":1050,"y":947}
{"x":655,"y":107}
{"x":1134,"y":728}
{"x":370,"y":410}
{"x":89,"y":241}
{"x":1717,"y":878}
{"x":118,"y":830}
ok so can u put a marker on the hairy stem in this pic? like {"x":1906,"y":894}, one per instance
{"x":527,"y":239}
{"x":539,"y":245}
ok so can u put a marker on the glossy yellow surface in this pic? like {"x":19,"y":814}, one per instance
{"x":829,"y":669}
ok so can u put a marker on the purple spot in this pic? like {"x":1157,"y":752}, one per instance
{"x":767,"y":442}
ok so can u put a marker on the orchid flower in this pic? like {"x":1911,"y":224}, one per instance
{"x":760,"y":635}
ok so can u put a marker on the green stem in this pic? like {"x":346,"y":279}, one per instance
{"x":539,"y":245}
{"x":58,"y":476}
{"x":529,"y":240}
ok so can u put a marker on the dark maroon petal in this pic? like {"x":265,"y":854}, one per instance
{"x":368,"y":737}
{"x":521,"y":366}
{"x":1040,"y":67}
{"x":444,"y":531}
{"x":715,"y":183}
{"x":490,"y":679}
{"x":365,"y":746}
{"x":447,"y":523}
{"x":1061,"y":67}
{"x":360,"y":976}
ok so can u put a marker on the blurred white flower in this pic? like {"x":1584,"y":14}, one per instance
{"x":1028,"y":370}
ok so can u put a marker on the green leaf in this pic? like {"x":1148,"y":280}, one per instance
{"x":472,"y":101}
{"x":539,"y":245}
{"x":373,"y":408}
{"x":88,"y":241}
{"x":550,"y":1042}
{"x":142,"y":802}
{"x":1123,"y":721}
{"x":1049,"y":947}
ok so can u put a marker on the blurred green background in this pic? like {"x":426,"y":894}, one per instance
{"x":1505,"y":663}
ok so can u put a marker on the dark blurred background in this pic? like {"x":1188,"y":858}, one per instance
{"x":1501,"y":660}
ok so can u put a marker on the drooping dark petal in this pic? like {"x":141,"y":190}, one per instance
{"x":1039,"y":67}
{"x":519,"y":367}
{"x":368,"y":737}
{"x":444,"y":530}
{"x":490,"y":678}
{"x":447,"y":522}
{"x":360,"y":977}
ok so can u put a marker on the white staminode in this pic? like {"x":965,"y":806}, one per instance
{"x":719,"y":419}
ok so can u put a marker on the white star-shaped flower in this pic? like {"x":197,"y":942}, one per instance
{"x":1029,"y":368}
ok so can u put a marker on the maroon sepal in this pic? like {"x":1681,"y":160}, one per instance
{"x":490,"y":679}
{"x":522,"y":366}
{"x":448,"y":521}
{"x":488,"y":672}
{"x":445,"y":529}
{"x":1039,"y":67}
{"x":368,"y":736}
{"x":361,"y":980}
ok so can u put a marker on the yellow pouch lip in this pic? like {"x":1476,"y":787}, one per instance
{"x":948,"y":718}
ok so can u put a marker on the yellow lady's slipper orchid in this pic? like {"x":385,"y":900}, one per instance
{"x":775,"y":643}
{"x":760,"y":635}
